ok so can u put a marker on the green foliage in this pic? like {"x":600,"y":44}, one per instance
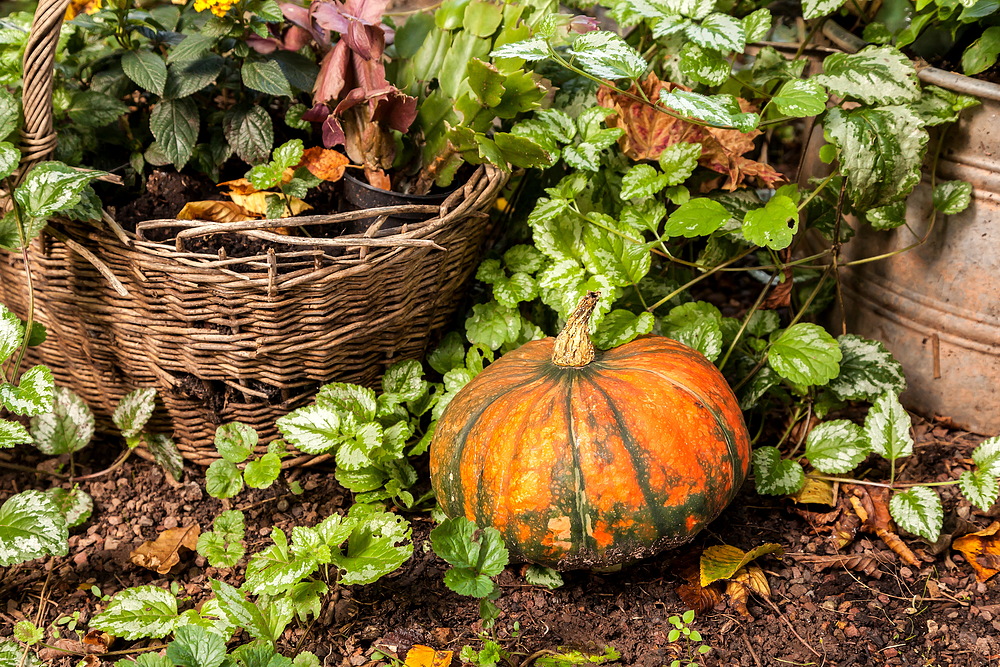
{"x":31,"y":526}
{"x":692,"y":640}
{"x":223,"y":545}
{"x":475,"y":555}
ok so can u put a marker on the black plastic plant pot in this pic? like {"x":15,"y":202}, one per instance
{"x":359,"y":195}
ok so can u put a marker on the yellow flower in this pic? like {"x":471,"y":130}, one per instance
{"x":217,"y":7}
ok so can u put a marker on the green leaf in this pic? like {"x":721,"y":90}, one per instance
{"x":466,"y":581}
{"x":886,"y":217}
{"x":980,"y":488}
{"x":716,"y":110}
{"x":261,"y":473}
{"x":146,"y":69}
{"x":404,"y":379}
{"x":814,"y":9}
{"x":276,"y":568}
{"x":11,"y":332}
{"x":987,"y":456}
{"x":982,"y":54}
{"x":888,"y":427}
{"x":724,"y":561}
{"x":250,"y":132}
{"x":876,"y":75}
{"x":165,"y":453}
{"x":764,"y":322}
{"x":31,"y":526}
{"x":314,"y":429}
{"x":187,"y":77}
{"x":492,"y":325}
{"x":836,"y":447}
{"x":32,"y":396}
{"x":801,"y":98}
{"x":938,"y":106}
{"x":776,"y":476}
{"x":757,"y":24}
{"x":696,"y":217}
{"x":235,"y":441}
{"x":223,"y":545}
{"x":678,"y":161}
{"x":13,"y":433}
{"x":607,"y":56}
{"x":774,"y":225}
{"x":539,"y":575}
{"x":718,"y":32}
{"x":194,"y":646}
{"x":13,"y":654}
{"x":449,"y":354}
{"x":223,"y":479}
{"x":28,"y":633}
{"x":75,"y":504}
{"x":643,"y":181}
{"x":349,"y":400}
{"x":621,"y":326}
{"x":89,"y":108}
{"x":378,"y":545}
{"x":68,"y":428}
{"x":134,"y":410}
{"x":190,"y":48}
{"x":704,"y":65}
{"x":482,"y":18}
{"x":10,"y":113}
{"x":532,"y":49}
{"x":805,"y":354}
{"x":952,"y":197}
{"x":240,"y":612}
{"x":139,"y":612}
{"x":175,"y":123}
{"x":266,"y":77}
{"x":610,"y":252}
{"x":918,"y":510}
{"x":867,"y":370}
{"x":51,"y":187}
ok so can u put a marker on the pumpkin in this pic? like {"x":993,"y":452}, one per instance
{"x":585,"y":458}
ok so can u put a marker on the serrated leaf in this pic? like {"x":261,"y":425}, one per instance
{"x":867,"y":370}
{"x":980,"y":488}
{"x":696,"y":217}
{"x":250,"y":132}
{"x":539,"y":575}
{"x":774,"y":225}
{"x":31,"y":526}
{"x":240,"y":612}
{"x":643,"y":181}
{"x":801,"y":98}
{"x":134,"y":410}
{"x":918,"y":510}
{"x":449,"y":354}
{"x":265,"y":76}
{"x":33,"y":395}
{"x":51,"y":187}
{"x":11,"y":333}
{"x":89,"y":108}
{"x":175,"y":124}
{"x":718,"y":32}
{"x":261,"y":473}
{"x":187,"y":77}
{"x":532,"y":49}
{"x":277,"y":568}
{"x":404,"y":379}
{"x":194,"y":646}
{"x":190,"y":48}
{"x":464,"y":545}
{"x":75,"y":504}
{"x":223,"y":479}
{"x":68,"y":428}
{"x":836,"y":447}
{"x":678,"y":161}
{"x":764,"y":322}
{"x":814,"y":9}
{"x":757,"y":24}
{"x":621,"y":326}
{"x":13,"y":433}
{"x":610,"y":252}
{"x":235,"y":441}
{"x":952,"y":197}
{"x":805,"y":354}
{"x":607,"y":56}
{"x":776,"y":476}
{"x":887,"y":427}
{"x":378,"y":545}
{"x":876,"y":75}
{"x":704,"y":65}
{"x":137,"y":613}
{"x":314,"y":429}
{"x":987,"y":456}
{"x":165,"y":453}
{"x":716,"y":110}
{"x":146,"y":69}
{"x":492,"y":325}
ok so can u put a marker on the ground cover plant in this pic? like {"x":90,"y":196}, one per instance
{"x":657,"y":189}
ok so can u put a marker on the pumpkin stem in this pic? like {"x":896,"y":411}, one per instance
{"x":573,"y":346}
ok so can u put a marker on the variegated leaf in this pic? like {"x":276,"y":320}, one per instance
{"x":919,"y":511}
{"x":876,"y":75}
{"x":888,"y":427}
{"x":836,"y":447}
{"x":31,"y":526}
{"x":134,"y":410}
{"x":67,"y":429}
{"x":138,"y":613}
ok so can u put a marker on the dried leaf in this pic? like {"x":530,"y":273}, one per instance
{"x":102,"y":640}
{"x":647,"y":132}
{"x":242,"y":186}
{"x":77,"y":7}
{"x":871,"y":504}
{"x":738,"y":594}
{"x":256,"y":203}
{"x":324,"y":163}
{"x":815,"y":492}
{"x":425,"y":656}
{"x":724,"y":561}
{"x":694,"y":596}
{"x":982,"y":550}
{"x":215,"y":211}
{"x":866,"y":563}
{"x":163,"y":553}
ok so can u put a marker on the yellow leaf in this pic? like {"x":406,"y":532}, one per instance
{"x":722,"y":562}
{"x":324,"y":163}
{"x":162,"y":553}
{"x":425,"y":656}
{"x":815,"y":492}
{"x":215,"y":211}
{"x":256,"y":203}
{"x":982,"y":550}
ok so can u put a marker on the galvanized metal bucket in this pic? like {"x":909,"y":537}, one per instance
{"x":937,"y":306}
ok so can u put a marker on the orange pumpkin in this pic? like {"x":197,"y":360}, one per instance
{"x":585,"y":458}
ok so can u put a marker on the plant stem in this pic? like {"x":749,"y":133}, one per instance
{"x":18,"y":468}
{"x":698,"y":279}
{"x":746,"y":321}
{"x":864,"y":482}
{"x":114,"y":466}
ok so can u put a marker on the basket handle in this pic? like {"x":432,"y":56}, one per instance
{"x":38,"y":141}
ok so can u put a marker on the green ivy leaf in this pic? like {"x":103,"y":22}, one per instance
{"x":918,"y":510}
{"x":775,"y":476}
{"x":621,"y":326}
{"x":68,"y":428}
{"x":774,"y":225}
{"x":643,"y":181}
{"x":134,"y":410}
{"x":836,"y":447}
{"x":952,"y":197}
{"x":867,"y":370}
{"x":32,"y":396}
{"x":716,"y":110}
{"x":31,"y":526}
{"x":696,"y":217}
{"x":987,"y":456}
{"x":265,"y":76}
{"x":805,"y":354}
{"x":888,"y":427}
{"x":139,"y":612}
{"x":678,"y":161}
{"x":938,"y":106}
{"x":801,"y":98}
{"x":146,"y":69}
{"x":195,"y":646}
{"x":876,"y":75}
{"x":223,"y":479}
{"x":980,"y":488}
{"x":175,"y":123}
{"x":261,"y":473}
{"x":607,"y":56}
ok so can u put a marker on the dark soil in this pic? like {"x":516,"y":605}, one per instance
{"x":858,"y":606}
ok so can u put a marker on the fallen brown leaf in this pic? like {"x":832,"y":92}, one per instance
{"x":982,"y":550}
{"x":162,"y":553}
{"x":324,"y":163}
{"x":215,"y":211}
{"x":102,"y":640}
{"x":425,"y":656}
{"x":256,"y":204}
{"x":871,"y":504}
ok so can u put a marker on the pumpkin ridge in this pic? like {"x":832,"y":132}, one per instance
{"x":578,"y":519}
{"x":638,"y":462}
{"x":728,"y":434}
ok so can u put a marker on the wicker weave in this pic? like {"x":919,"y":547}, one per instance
{"x":243,"y":338}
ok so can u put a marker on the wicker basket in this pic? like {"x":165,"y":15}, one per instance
{"x":224,"y":339}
